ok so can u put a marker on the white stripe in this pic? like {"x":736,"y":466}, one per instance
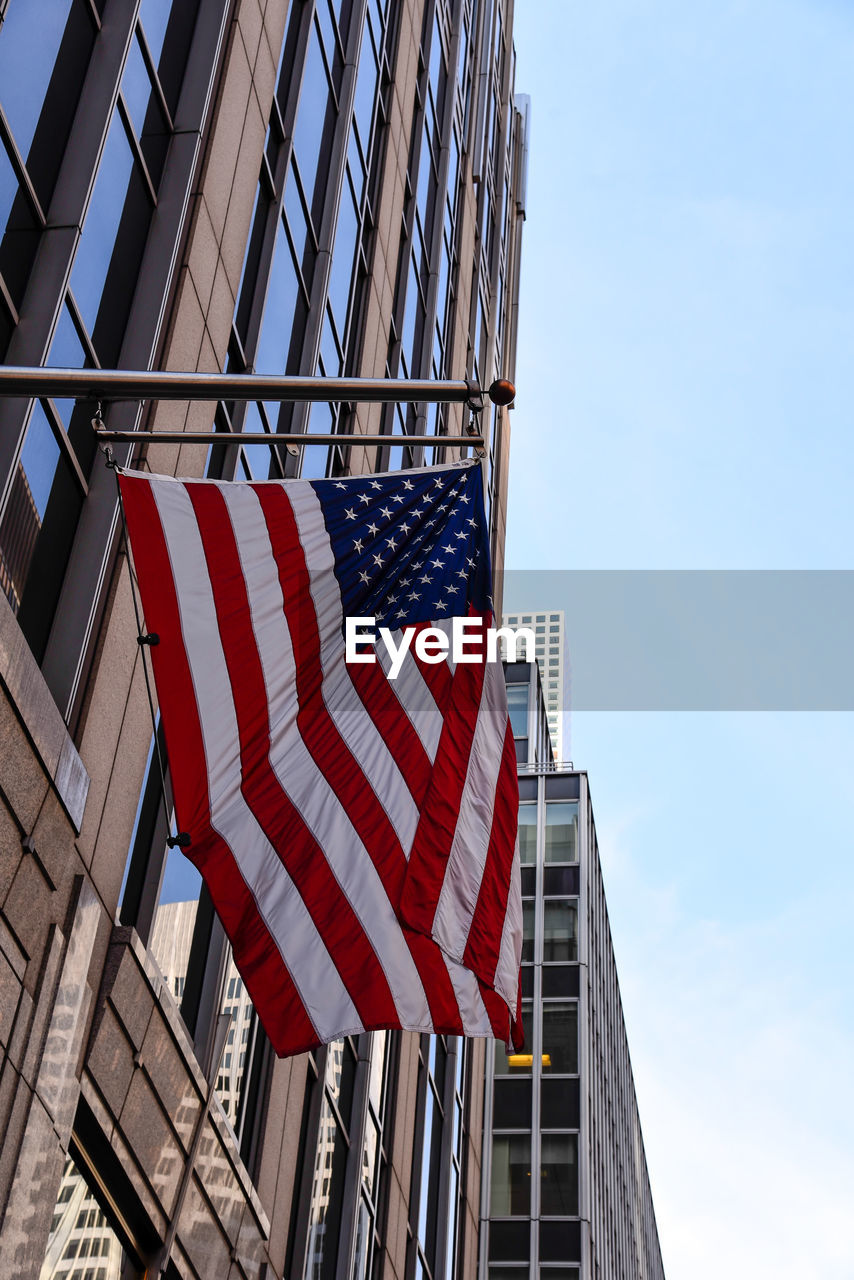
{"x":414,"y":696}
{"x":446,"y":625}
{"x":283,"y":911}
{"x":342,"y":701}
{"x":473,"y":1012}
{"x":467,"y":859}
{"x":510,"y":954}
{"x":299,"y":776}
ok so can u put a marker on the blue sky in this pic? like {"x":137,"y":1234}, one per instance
{"x":684,"y":401}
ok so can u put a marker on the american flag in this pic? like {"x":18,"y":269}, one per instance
{"x":357,"y":834}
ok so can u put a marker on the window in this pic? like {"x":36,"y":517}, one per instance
{"x":511,"y":1175}
{"x":80,"y":1229}
{"x":560,"y":1037}
{"x":559,"y":1174}
{"x":528,"y":833}
{"x":560,"y":930}
{"x":517,"y":706}
{"x":561,"y":832}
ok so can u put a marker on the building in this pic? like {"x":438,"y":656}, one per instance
{"x":552,"y":655}
{"x":330,"y":186}
{"x":566,"y":1192}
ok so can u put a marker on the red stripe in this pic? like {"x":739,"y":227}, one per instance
{"x":333,"y":757}
{"x":398,"y":732}
{"x":487,"y":924}
{"x":499,"y":1014}
{"x":435,"y":834}
{"x":257,"y":958}
{"x":319,"y":731}
{"x":284,"y":827}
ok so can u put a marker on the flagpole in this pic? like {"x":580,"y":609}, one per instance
{"x":123,"y":384}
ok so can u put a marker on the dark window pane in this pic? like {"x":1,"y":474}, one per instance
{"x":147,"y":118}
{"x":560,"y":930}
{"x":529,"y":881}
{"x":527,"y":973}
{"x":508,"y":1273}
{"x":39,"y":459}
{"x":560,"y":881}
{"x":8,"y":185}
{"x":511,"y":1175}
{"x":510,"y":1240}
{"x":559,"y":1104}
{"x":527,"y":930}
{"x":521,"y":750}
{"x":559,"y":1174}
{"x":560,"y":1037}
{"x":20,"y":230}
{"x":560,"y":1241}
{"x":561,"y":832}
{"x":512,"y":1104}
{"x":528,"y":833}
{"x":527,"y":788}
{"x":560,"y":980}
{"x":562,"y":788}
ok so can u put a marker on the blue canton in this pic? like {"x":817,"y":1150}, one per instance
{"x":410,"y":546}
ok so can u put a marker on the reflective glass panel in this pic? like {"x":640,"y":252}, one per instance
{"x":561,"y":832}
{"x":30,"y":40}
{"x":559,"y":1174}
{"x":82,"y":1242}
{"x":517,"y":706}
{"x":527,"y":930}
{"x":528,"y":833}
{"x":66,"y":352}
{"x":511,"y":1175}
{"x":560,"y":1037}
{"x":324,"y":1215}
{"x":279,"y":309}
{"x":560,"y":930}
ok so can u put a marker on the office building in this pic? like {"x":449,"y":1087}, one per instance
{"x":552,"y":655}
{"x":566,"y":1193}
{"x":323,"y":187}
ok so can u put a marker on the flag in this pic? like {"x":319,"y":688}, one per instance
{"x":357,"y":833}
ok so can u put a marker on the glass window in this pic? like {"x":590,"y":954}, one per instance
{"x":517,"y":706}
{"x":560,"y":930}
{"x":560,"y":1106}
{"x":512,"y":1104}
{"x":561,"y":832}
{"x":511,"y":1175}
{"x":528,"y":833}
{"x":528,"y":930}
{"x":80,"y":1229}
{"x":324,"y":1215}
{"x":559,"y":1174}
{"x":560,"y":1037}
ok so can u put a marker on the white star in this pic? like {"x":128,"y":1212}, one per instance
{"x":350,"y":514}
{"x":397,"y":497}
{"x":438,"y":564}
{"x":392,"y":600}
{"x":357,"y":545}
{"x":443,"y":506}
{"x":441,"y":604}
{"x":401,"y":613}
{"x":464,"y":498}
{"x":472,"y":564}
{"x":461,"y":573}
{"x":437,"y":484}
{"x":375,"y":484}
{"x":404,"y":528}
{"x":363,"y":497}
{"x":390,"y":542}
{"x":384,"y":511}
{"x":374,"y":529}
{"x":339,"y":485}
{"x":365,"y":577}
{"x":417,"y":564}
{"x":413,"y":595}
{"x":405,"y":582}
{"x":378,"y":560}
{"x":407,"y":484}
{"x":450,"y":550}
{"x":424,"y":578}
{"x":430,"y":522}
{"x":451,"y":590}
{"x":460,"y":534}
{"x":471,"y":522}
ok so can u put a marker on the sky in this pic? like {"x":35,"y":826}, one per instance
{"x":684,"y":402}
